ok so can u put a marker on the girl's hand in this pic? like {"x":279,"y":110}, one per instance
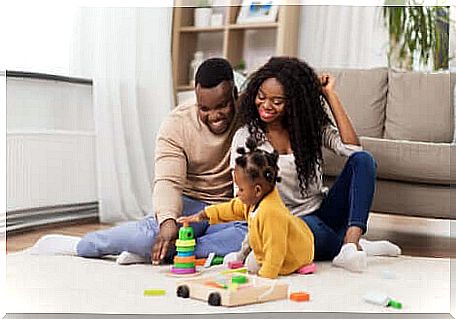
{"x":193,"y":218}
{"x":328,"y":82}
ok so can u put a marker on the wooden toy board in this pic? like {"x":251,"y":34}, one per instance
{"x":256,"y":290}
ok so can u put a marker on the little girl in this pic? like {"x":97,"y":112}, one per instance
{"x":280,"y":242}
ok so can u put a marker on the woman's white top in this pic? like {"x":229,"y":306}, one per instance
{"x":289,"y":186}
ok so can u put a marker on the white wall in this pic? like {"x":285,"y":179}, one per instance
{"x":50,"y":144}
{"x":343,"y":36}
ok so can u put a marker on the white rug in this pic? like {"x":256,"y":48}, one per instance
{"x":63,"y":284}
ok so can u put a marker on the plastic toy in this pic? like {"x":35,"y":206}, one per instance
{"x":381,"y":299}
{"x":299,"y":296}
{"x":185,"y":262}
{"x":235,"y":264}
{"x":237,"y":270}
{"x":209,"y":259}
{"x":200,"y":261}
{"x":231,"y":290}
{"x":218,"y":260}
{"x":308,"y":269}
{"x":154,"y":292}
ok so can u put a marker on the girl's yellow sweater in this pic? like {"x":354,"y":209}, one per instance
{"x":281,"y":242}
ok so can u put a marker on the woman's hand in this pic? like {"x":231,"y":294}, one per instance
{"x":328,"y":83}
{"x":198,"y":217}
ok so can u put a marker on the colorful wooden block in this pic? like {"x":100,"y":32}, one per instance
{"x":300,"y":296}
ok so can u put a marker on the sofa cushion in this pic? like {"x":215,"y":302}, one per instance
{"x":363,"y":94}
{"x":405,"y":161}
{"x":418,"y":107}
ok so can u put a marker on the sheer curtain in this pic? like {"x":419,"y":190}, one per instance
{"x":127,"y":53}
{"x":343,"y":36}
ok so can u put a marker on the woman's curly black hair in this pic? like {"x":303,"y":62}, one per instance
{"x":305,"y":116}
{"x":258,"y":163}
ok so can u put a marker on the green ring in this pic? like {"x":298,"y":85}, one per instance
{"x":184,"y":265}
{"x":185,"y":249}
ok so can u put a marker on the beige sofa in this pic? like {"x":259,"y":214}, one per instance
{"x":406,"y":121}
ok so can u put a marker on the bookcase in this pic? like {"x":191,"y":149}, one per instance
{"x":229,"y":38}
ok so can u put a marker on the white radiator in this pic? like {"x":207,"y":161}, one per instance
{"x":51,"y":164}
{"x":50,"y":168}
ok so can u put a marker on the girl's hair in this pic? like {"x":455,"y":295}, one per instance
{"x":304,"y":114}
{"x":258,"y":163}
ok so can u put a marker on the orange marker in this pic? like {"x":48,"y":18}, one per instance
{"x":300,"y":296}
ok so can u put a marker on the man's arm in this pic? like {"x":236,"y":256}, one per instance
{"x":170,"y":175}
{"x":170,"y":170}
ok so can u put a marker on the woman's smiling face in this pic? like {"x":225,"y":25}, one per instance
{"x":270,"y":101}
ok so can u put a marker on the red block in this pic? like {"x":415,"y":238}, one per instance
{"x":235,"y":264}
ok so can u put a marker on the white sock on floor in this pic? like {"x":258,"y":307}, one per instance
{"x":351,"y":258}
{"x":380,"y":248}
{"x":56,"y":245}
{"x":127,"y":258}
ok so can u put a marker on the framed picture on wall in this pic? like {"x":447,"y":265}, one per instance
{"x":253,"y":11}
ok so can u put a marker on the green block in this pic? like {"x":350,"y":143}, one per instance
{"x":239,"y":279}
{"x":184,"y":265}
{"x":218,"y":260}
{"x":154,"y":292}
{"x":394,"y":304}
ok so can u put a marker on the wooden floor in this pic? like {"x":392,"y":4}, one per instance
{"x":416,"y":236}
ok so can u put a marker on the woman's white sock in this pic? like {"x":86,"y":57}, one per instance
{"x":380,"y":248}
{"x":56,"y":245}
{"x":127,"y":258}
{"x":351,"y":258}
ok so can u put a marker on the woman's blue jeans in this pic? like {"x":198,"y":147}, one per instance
{"x":347,"y":204}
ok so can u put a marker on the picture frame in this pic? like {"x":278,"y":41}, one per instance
{"x":254,"y":11}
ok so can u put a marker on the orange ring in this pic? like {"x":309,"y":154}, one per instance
{"x":188,"y":259}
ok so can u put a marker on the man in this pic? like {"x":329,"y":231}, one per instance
{"x":191,"y":171}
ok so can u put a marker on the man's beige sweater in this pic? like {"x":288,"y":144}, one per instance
{"x":190,"y":160}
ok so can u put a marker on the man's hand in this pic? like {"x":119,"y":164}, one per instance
{"x":168,"y":233}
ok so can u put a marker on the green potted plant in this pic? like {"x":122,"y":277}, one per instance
{"x":417,"y":30}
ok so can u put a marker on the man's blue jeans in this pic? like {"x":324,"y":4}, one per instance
{"x":138,"y":237}
{"x":347,"y":204}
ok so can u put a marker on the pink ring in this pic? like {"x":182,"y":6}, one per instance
{"x":183,"y":271}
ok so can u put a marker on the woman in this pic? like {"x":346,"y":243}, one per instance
{"x":282,"y":108}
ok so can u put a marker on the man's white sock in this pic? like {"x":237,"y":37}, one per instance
{"x":380,"y":248}
{"x":351,"y":258}
{"x":56,"y":245}
{"x":127,"y":258}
